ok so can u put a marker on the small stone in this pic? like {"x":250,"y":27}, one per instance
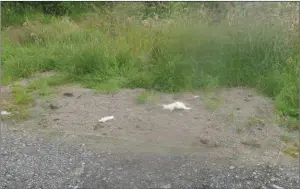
{"x":196,"y":117}
{"x":273,"y":179}
{"x":276,"y":187}
{"x":166,"y":186}
{"x":246,"y":100}
{"x":232,"y":167}
{"x":209,"y":142}
{"x":53,"y":107}
{"x":98,"y":126}
{"x":204,"y":141}
{"x":68,"y":94}
{"x":251,"y":142}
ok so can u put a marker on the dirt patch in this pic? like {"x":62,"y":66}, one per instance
{"x":232,"y":123}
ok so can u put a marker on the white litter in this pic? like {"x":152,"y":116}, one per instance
{"x":105,"y":119}
{"x":196,"y":96}
{"x":175,"y":105}
{"x":4,"y":113}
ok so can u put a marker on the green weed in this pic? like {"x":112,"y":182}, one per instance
{"x":213,"y":102}
{"x":292,"y":150}
{"x":146,"y":96}
{"x":286,"y":138}
{"x":290,"y":123}
{"x":20,"y":95}
{"x":255,"y":121}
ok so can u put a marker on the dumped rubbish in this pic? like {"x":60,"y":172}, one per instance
{"x":175,"y":105}
{"x":4,"y":113}
{"x":105,"y":119}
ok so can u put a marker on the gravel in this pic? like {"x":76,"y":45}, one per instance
{"x":27,"y":161}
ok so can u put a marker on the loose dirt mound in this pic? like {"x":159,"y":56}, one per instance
{"x":233,"y":123}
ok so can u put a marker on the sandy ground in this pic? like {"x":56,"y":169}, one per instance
{"x":233,"y":123}
{"x":224,"y":129}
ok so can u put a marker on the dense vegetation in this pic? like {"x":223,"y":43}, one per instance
{"x":166,"y":46}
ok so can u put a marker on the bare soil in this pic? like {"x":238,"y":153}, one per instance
{"x":237,"y":123}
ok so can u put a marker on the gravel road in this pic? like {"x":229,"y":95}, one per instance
{"x":28,"y":161}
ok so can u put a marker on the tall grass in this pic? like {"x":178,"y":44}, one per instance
{"x":178,"y":53}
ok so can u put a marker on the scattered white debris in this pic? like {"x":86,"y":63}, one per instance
{"x":276,"y":187}
{"x":4,"y":113}
{"x":105,"y":119}
{"x":176,"y":105}
{"x":196,"y":96}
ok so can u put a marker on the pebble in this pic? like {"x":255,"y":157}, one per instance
{"x":166,"y":186}
{"x":232,"y":167}
{"x":276,"y":187}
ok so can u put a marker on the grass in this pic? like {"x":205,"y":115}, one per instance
{"x":239,"y":130}
{"x":23,"y":97}
{"x":290,"y":123}
{"x":19,"y":112}
{"x":213,"y":102}
{"x":44,"y":86}
{"x":255,"y":121}
{"x":146,"y":96}
{"x":19,"y":104}
{"x":176,"y":54}
{"x":292,"y":150}
{"x":286,"y":138}
{"x":20,"y":95}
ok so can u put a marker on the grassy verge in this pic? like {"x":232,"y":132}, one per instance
{"x":181,"y":53}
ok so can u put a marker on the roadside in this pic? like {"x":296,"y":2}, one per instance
{"x":34,"y":162}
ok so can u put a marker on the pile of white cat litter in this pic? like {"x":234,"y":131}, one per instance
{"x":173,"y":106}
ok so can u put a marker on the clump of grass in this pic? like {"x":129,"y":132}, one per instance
{"x":292,"y":150}
{"x":213,"y":102}
{"x":230,"y":118}
{"x":239,"y":130}
{"x":290,"y":123}
{"x":44,"y":86}
{"x":255,"y":121}
{"x":19,"y":112}
{"x":20,"y":95}
{"x":21,"y":101}
{"x":286,"y":138}
{"x":109,"y":86}
{"x":146,"y":96}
